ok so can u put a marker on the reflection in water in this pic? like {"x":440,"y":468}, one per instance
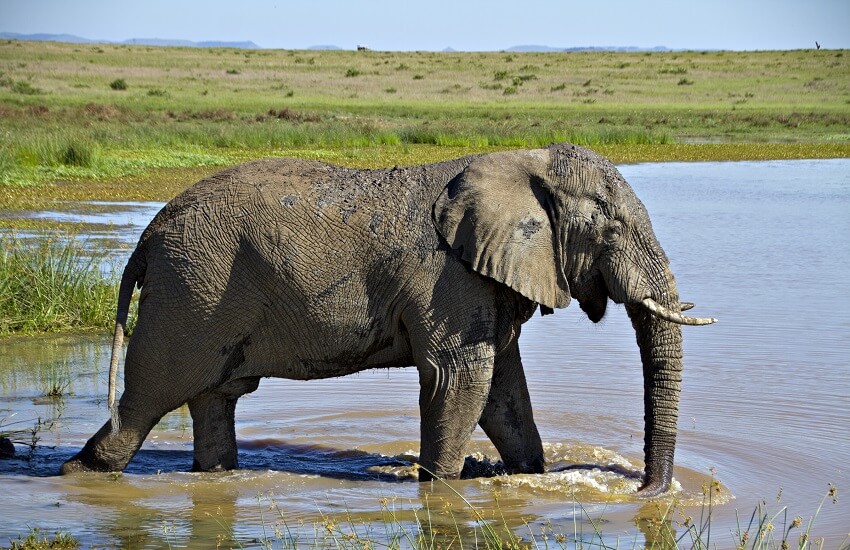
{"x":762,"y":246}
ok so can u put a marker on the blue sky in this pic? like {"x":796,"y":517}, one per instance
{"x":437,"y":24}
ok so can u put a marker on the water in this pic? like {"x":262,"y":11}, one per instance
{"x":765,"y":247}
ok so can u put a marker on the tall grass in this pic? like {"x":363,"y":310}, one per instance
{"x":51,"y":285}
{"x":100,"y":153}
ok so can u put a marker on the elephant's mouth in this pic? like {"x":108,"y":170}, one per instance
{"x":593,"y":297}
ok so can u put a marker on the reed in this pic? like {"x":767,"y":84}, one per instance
{"x":438,"y":524}
{"x":53,"y":284}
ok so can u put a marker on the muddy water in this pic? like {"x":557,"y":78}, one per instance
{"x":763,"y":246}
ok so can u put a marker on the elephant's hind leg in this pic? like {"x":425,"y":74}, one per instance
{"x":507,"y":418}
{"x":109,"y":451}
{"x":214,"y":425}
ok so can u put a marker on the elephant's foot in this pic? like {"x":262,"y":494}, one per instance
{"x":429,"y":475}
{"x":199,"y":467}
{"x":534,"y":465}
{"x":75,"y":466}
{"x":108,"y":451}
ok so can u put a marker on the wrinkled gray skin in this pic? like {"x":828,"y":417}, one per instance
{"x":303,"y":270}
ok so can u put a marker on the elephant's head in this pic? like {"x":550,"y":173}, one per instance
{"x":562,"y":222}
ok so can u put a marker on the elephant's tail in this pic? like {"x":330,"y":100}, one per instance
{"x":133,"y":273}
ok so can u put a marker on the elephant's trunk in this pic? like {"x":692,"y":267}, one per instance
{"x":660,"y":344}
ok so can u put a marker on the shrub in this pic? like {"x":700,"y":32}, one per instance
{"x":25,"y":88}
{"x":352,"y":73}
{"x":674,"y":70}
{"x":118,"y":84}
{"x":35,"y":540}
{"x":293,"y":116}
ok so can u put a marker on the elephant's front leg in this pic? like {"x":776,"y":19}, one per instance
{"x":453,"y":390}
{"x":214,"y":426}
{"x":507,"y":418}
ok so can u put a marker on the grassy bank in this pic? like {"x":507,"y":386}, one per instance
{"x":96,"y":112}
{"x":53,"y":285}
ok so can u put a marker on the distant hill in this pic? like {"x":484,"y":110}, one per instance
{"x":535,"y":48}
{"x":248,"y":45}
{"x":47,"y":37}
{"x":245,"y":45}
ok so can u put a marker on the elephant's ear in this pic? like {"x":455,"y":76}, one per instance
{"x":497,"y":215}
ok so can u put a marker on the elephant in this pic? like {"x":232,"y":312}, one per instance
{"x":303,"y":270}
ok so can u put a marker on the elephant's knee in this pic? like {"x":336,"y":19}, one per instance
{"x":237,"y":388}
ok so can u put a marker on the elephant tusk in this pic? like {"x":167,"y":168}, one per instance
{"x":674,"y":317}
{"x":685,"y":306}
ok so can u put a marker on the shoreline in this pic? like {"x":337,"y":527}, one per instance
{"x":161,"y":184}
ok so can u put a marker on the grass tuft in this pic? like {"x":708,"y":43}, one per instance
{"x":53,"y":285}
{"x":77,"y":153}
{"x":119,"y":84}
{"x":35,"y":540}
{"x":25,"y":88}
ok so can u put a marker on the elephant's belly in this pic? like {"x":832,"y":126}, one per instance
{"x":312,"y":351}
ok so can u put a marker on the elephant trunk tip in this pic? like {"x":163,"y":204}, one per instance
{"x":653,"y":488}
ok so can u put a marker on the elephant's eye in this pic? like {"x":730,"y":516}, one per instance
{"x":613,"y":232}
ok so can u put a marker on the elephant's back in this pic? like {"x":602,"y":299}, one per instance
{"x":234,"y":187}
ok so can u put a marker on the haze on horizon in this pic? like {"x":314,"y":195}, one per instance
{"x":474,"y":25}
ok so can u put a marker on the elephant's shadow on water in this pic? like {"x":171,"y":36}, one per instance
{"x":343,"y":464}
{"x":260,"y":455}
{"x":295,"y":458}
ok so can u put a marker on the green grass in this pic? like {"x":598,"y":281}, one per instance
{"x":133,"y":109}
{"x":53,"y":285}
